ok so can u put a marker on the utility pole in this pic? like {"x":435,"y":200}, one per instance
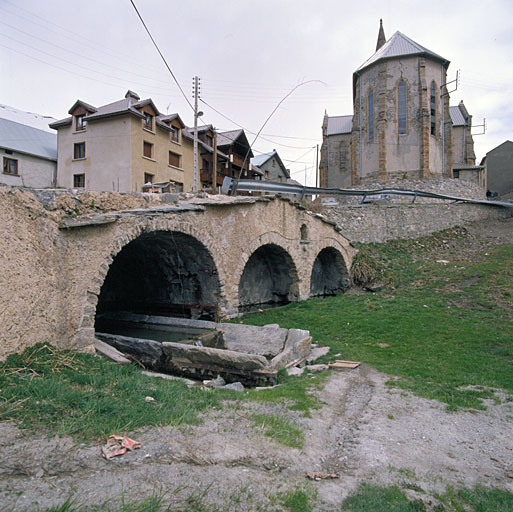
{"x":196,"y":93}
{"x":317,"y":167}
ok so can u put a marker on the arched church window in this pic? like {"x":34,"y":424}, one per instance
{"x":433,"y":108}
{"x":370,"y":115}
{"x":401,"y":107}
{"x":342,"y":156}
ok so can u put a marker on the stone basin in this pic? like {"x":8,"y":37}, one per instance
{"x":238,"y":352}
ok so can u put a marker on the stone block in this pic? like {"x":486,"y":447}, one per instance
{"x":189,"y":354}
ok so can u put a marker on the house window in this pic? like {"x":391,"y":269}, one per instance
{"x":80,"y":123}
{"x":370,"y":115}
{"x":266,"y":175}
{"x":174,"y":159}
{"x":10,"y":166}
{"x":279,"y":179}
{"x":401,"y":107}
{"x":78,"y":180}
{"x":179,"y":187}
{"x":433,"y":109}
{"x":148,"y":121}
{"x":147,"y":149}
{"x":79,"y":151}
{"x":148,"y":178}
{"x":175,"y":134}
{"x":455,"y":174}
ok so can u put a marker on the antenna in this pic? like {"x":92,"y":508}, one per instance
{"x":483,"y":126}
{"x":456,"y":81}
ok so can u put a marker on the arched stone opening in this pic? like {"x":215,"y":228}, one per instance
{"x":329,"y":274}
{"x":269,"y":279}
{"x":162,"y":273}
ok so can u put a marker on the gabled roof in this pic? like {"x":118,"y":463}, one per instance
{"x":457,"y":116}
{"x":262,"y":159}
{"x":400,"y":45}
{"x":164,"y":120}
{"x":25,"y":139}
{"x":128,"y":105}
{"x":233,"y":137}
{"x":27,"y":118}
{"x":339,"y":124}
{"x":80,"y":103}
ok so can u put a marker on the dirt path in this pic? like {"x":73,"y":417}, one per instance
{"x":364,"y":432}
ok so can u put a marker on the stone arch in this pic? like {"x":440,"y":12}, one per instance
{"x":330,"y":274}
{"x":162,"y":272}
{"x":269,"y":278}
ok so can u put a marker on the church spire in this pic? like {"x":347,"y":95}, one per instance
{"x":381,"y":36}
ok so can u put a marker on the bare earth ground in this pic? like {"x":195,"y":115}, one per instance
{"x":364,"y":431}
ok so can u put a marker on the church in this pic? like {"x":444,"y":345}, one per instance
{"x":402,"y":126}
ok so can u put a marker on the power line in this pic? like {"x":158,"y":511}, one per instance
{"x":162,"y":56}
{"x":250,"y":131}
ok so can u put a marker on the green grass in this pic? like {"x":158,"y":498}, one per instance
{"x":87,"y":396}
{"x":280,"y":429}
{"x":298,"y":499}
{"x":392,"y":499}
{"x":438,"y":327}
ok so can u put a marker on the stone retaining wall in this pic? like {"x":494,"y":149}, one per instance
{"x":381,"y":222}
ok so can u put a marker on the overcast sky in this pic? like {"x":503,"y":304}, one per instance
{"x":249,"y":55}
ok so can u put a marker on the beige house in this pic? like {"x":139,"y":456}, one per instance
{"x":402,"y":126}
{"x":125,"y":146}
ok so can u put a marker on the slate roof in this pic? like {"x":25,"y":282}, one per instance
{"x":339,"y":124}
{"x":127,"y":105}
{"x":457,"y":117}
{"x":261,"y":159}
{"x":265,"y":157}
{"x":25,"y":139}
{"x":400,"y":45}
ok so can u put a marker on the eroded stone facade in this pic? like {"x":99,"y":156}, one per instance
{"x":54,"y":264}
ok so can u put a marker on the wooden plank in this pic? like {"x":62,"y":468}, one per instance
{"x":344,"y":364}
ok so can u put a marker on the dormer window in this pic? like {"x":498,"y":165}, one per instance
{"x":175,"y":133}
{"x":148,"y":121}
{"x":80,"y":123}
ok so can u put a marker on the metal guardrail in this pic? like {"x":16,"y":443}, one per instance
{"x":231,"y":186}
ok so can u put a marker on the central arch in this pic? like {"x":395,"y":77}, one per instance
{"x":162,"y":273}
{"x":269,"y":278}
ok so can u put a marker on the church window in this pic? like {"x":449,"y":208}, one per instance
{"x":342,"y":156}
{"x":370,"y":115}
{"x":401,"y":107}
{"x":433,"y":109}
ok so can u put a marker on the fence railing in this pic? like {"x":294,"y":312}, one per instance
{"x":232,"y":185}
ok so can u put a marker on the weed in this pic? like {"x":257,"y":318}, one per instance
{"x":280,"y":429}
{"x":299,"y":499}
{"x":381,"y":499}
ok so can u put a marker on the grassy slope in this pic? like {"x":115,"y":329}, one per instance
{"x":438,"y":326}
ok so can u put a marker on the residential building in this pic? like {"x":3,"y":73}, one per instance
{"x":124,"y":146}
{"x":499,"y":171}
{"x":271,"y":167}
{"x":234,"y":144}
{"x":28,"y":154}
{"x":402,"y":126}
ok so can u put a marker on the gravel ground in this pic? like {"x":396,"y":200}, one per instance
{"x":363,"y":432}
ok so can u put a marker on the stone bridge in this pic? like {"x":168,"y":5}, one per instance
{"x":203,"y":258}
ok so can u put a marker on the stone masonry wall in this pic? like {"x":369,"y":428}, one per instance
{"x":51,"y":276}
{"x":381,"y":222}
